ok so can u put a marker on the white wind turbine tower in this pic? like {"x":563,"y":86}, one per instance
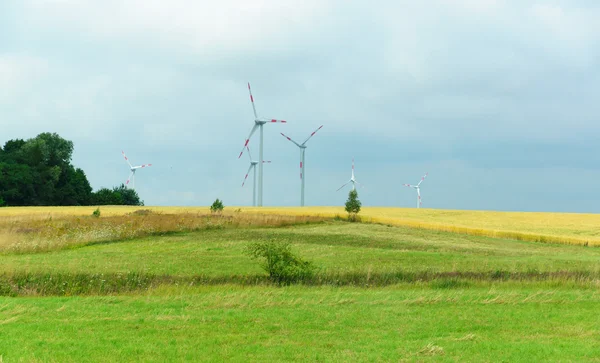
{"x":253,"y":167}
{"x":133,"y":169}
{"x":352,"y":179}
{"x":302,"y":163}
{"x":258,"y":124}
{"x":418,"y":188}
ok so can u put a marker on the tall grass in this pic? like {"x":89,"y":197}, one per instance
{"x":69,"y":284}
{"x":22,"y":235}
{"x":565,"y":228}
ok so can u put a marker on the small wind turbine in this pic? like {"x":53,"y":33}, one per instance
{"x":253,"y":167}
{"x":302,"y":164}
{"x":352,"y":179}
{"x":418,"y":188}
{"x":258,"y":124}
{"x":133,"y":169}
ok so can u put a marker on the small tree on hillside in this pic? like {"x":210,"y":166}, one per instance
{"x":353,"y":205}
{"x":217,"y":206}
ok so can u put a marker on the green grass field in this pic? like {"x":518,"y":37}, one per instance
{"x":381,"y":293}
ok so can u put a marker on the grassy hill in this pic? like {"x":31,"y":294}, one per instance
{"x":105,"y":288}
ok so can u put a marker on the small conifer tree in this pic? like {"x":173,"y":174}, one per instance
{"x":217,"y":206}
{"x":353,"y":205}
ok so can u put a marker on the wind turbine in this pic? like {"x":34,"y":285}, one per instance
{"x":302,"y":164}
{"x":252,"y":166}
{"x":418,"y":188}
{"x":133,"y":169}
{"x":352,"y":179}
{"x":258,"y":124}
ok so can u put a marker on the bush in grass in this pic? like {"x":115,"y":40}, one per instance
{"x":353,"y":205}
{"x":217,"y":206}
{"x":96,"y":213}
{"x":278,"y":260}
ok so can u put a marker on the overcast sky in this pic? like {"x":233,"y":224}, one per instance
{"x":497,"y":100}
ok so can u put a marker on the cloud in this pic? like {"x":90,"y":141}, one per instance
{"x":471,"y":85}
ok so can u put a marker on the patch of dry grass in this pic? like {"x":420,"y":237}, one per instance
{"x":45,"y":232}
{"x":567,"y":228}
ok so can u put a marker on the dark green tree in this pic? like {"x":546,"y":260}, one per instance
{"x":353,"y":205}
{"x":217,"y":206}
{"x":105,"y":196}
{"x":129,"y":196}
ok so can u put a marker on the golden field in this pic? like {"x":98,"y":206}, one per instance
{"x":570,"y":228}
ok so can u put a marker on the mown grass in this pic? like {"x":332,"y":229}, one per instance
{"x":232,"y":323}
{"x":344,"y":253}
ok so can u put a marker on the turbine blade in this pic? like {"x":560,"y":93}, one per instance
{"x":273,"y":120}
{"x":129,"y":178}
{"x":145,"y":165}
{"x":423,"y":178}
{"x":246,"y":177}
{"x":287,"y":137}
{"x":311,"y":135}
{"x":267,"y":161}
{"x":127,"y":160}
{"x":344,"y":185}
{"x":407,"y":185}
{"x":248,"y":139}
{"x":300,"y":169}
{"x":249,"y":155}
{"x":252,"y":100}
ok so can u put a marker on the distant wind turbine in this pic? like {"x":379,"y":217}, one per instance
{"x":133,"y":169}
{"x":352,"y":179}
{"x":418,"y":188}
{"x":302,"y":163}
{"x":258,"y":124}
{"x":253,"y":167}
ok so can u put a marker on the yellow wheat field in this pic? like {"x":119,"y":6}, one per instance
{"x":571,"y":228}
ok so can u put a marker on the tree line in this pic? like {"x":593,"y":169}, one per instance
{"x":38,"y":172}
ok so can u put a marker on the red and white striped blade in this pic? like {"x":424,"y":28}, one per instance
{"x":129,"y":178}
{"x":252,"y":100}
{"x":311,"y":135}
{"x":267,"y":161}
{"x":300,"y":170}
{"x":126,"y":159}
{"x":407,"y":185}
{"x":246,"y":177}
{"x":248,"y":139}
{"x":145,"y":165}
{"x":274,"y":120}
{"x":289,"y":138}
{"x":423,"y":178}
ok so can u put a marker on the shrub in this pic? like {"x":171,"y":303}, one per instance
{"x":278,"y":260}
{"x":217,"y":206}
{"x":353,"y":205}
{"x":96,"y":213}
